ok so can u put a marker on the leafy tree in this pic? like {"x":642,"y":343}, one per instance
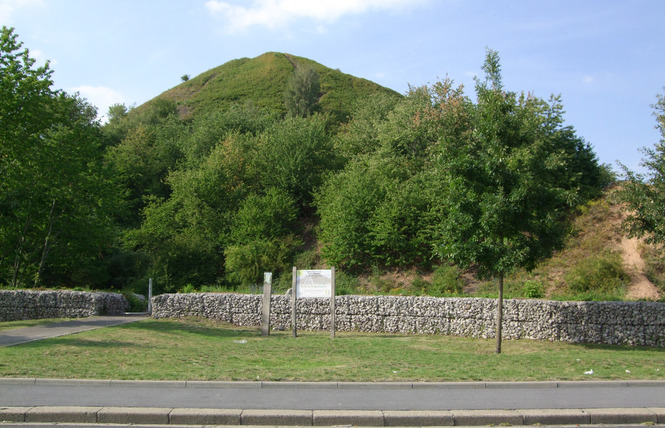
{"x":246,"y":263}
{"x":194,"y":223}
{"x":117,"y":112}
{"x":293,"y":155}
{"x":263,"y":237}
{"x":502,"y":205}
{"x":55,"y":197}
{"x":374,"y":212}
{"x":645,"y":195}
{"x":302,"y":92}
{"x":208,"y":130}
{"x":268,"y":216}
{"x":361,"y":134}
{"x":346,"y":204}
{"x":406,"y":132}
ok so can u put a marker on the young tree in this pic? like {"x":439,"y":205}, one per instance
{"x":500,"y":207}
{"x":302,"y":92}
{"x":645,"y":195}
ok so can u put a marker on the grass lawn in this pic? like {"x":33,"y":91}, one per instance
{"x":199,"y":349}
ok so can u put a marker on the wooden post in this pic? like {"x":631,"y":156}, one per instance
{"x":332,"y":305}
{"x":499,"y":315}
{"x":294,"y":291}
{"x":150,"y":296}
{"x":265,"y":304}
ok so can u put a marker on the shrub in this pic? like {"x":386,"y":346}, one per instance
{"x":345,"y":284}
{"x":307,"y":259}
{"x":189,"y":288}
{"x":600,"y":274}
{"x":137,"y":303}
{"x":446,"y":280}
{"x":419,"y":285}
{"x":382,"y":285}
{"x":533,"y":289}
{"x":245,"y":264}
{"x":213,"y":289}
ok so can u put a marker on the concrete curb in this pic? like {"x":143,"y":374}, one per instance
{"x":378,"y":418}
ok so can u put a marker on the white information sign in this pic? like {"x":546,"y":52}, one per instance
{"x":314,"y":283}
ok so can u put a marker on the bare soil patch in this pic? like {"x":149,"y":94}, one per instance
{"x":640,"y":286}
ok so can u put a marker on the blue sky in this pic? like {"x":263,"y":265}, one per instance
{"x":605,"y":57}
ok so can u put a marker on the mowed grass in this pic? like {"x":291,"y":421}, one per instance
{"x":199,"y":349}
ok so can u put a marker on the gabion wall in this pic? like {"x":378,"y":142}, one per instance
{"x":633,"y":323}
{"x":28,"y":304}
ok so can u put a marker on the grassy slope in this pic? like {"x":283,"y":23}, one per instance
{"x":262,"y":81}
{"x":595,"y":233}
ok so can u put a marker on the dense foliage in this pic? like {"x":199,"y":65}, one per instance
{"x":220,"y":178}
{"x":56,"y":198}
{"x":443,"y":178}
{"x":645,"y":196}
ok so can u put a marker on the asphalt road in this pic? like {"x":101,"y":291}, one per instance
{"x":339,"y":396}
{"x":272,"y":403}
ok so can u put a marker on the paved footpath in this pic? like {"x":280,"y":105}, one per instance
{"x":45,"y":331}
{"x":319,"y":404}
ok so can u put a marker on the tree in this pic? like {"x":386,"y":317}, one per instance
{"x":302,"y":92}
{"x":374,"y":212}
{"x":293,"y":155}
{"x":502,"y":204}
{"x":55,"y":198}
{"x":645,"y":195}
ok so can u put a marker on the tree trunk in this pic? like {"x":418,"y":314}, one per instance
{"x":499,"y":315}
{"x":16,"y":278}
{"x":47,"y":245}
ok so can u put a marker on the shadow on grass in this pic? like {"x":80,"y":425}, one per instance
{"x":79,"y":343}
{"x":615,"y":348}
{"x":172,"y":326}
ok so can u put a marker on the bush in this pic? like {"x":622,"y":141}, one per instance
{"x":446,"y":280}
{"x":213,"y":289}
{"x":307,"y":259}
{"x":419,"y":286}
{"x":598,"y":274}
{"x":137,"y":303}
{"x":189,"y":288}
{"x":245,"y":264}
{"x":381,"y":285}
{"x":345,"y":284}
{"x":655,"y":266}
{"x":533,"y":290}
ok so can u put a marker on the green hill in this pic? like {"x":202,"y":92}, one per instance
{"x":262,"y":81}
{"x":222,"y":185}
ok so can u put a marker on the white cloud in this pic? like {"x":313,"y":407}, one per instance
{"x":100,"y":97}
{"x":8,"y":7}
{"x":277,"y":13}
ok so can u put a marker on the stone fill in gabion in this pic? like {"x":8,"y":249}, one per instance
{"x":30,"y":304}
{"x":631,"y":323}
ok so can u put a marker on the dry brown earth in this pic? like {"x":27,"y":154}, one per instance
{"x":640,"y":286}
